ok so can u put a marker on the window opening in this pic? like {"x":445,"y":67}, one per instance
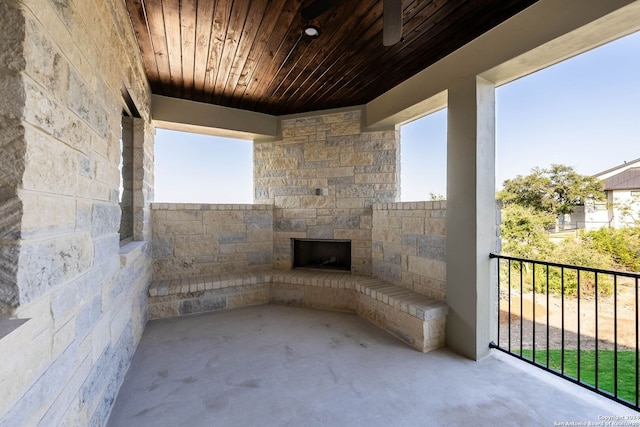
{"x":423,"y":158}
{"x":197,"y":168}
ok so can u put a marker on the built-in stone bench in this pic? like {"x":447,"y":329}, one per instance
{"x":414,"y":318}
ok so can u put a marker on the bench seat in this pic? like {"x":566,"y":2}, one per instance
{"x":414,"y":318}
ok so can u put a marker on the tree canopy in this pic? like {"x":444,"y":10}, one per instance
{"x":531,"y":206}
{"x":524,"y":231}
{"x":557,"y":190}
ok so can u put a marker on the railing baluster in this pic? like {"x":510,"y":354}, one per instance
{"x":597,"y":339}
{"x":578,"y":292}
{"x":533,"y":278}
{"x":615,"y":335}
{"x":499,"y":281}
{"x":562,"y":330}
{"x":509,"y":312}
{"x":547,"y":315}
{"x":637,"y":345}
{"x":521,"y":312}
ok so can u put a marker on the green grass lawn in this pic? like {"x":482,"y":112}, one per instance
{"x":626,"y":368}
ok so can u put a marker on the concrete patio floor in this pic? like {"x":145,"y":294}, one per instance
{"x":274,"y":365}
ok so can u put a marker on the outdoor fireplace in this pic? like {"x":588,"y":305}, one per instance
{"x":322,"y":254}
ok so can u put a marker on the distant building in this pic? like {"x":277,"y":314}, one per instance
{"x":622,"y":188}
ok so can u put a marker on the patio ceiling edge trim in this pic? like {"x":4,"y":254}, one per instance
{"x":199,"y":117}
{"x":545,"y":33}
{"x":615,"y":25}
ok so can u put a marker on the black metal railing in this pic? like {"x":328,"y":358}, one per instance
{"x":579,"y":323}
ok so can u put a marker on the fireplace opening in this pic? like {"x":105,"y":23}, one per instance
{"x":322,"y":254}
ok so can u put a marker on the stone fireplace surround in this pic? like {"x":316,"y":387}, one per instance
{"x":327,"y":178}
{"x":407,"y":242}
{"x":322,"y":178}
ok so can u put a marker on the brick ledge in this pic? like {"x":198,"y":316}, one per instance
{"x":403,"y":299}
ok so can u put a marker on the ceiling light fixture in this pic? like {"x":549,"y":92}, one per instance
{"x":311,"y":31}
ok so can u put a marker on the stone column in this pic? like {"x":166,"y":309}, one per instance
{"x":471,"y":225}
{"x":13,"y":148}
{"x":143,"y":179}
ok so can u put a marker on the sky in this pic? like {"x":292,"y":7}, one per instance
{"x":583,"y":112}
{"x":193,"y":168}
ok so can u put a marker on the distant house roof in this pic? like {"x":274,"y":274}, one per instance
{"x":626,"y":180}
{"x":618,"y":169}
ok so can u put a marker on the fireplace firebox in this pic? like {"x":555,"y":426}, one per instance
{"x":322,"y":254}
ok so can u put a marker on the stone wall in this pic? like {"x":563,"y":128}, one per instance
{"x":192,"y":240}
{"x":13,"y":149}
{"x":63,"y":67}
{"x":408,"y":242}
{"x":350,"y":168}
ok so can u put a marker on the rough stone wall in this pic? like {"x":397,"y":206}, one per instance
{"x":409,"y":246}
{"x":192,"y":240}
{"x":351,"y":168}
{"x":63,"y":64}
{"x":12,"y":147}
{"x":143,"y":135}
{"x":126,"y":198}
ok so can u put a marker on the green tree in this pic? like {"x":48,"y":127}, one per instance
{"x":557,"y":190}
{"x":524,"y":231}
{"x":531,"y":206}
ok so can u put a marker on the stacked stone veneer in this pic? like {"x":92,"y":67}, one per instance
{"x":352,"y":168}
{"x":408,"y":246}
{"x":192,"y":240}
{"x":357,"y":175}
{"x":63,"y":67}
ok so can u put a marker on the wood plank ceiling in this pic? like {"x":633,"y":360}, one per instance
{"x":250,"y":54}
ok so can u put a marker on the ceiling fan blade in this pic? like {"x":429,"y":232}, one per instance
{"x":316,"y":9}
{"x":392,"y":21}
